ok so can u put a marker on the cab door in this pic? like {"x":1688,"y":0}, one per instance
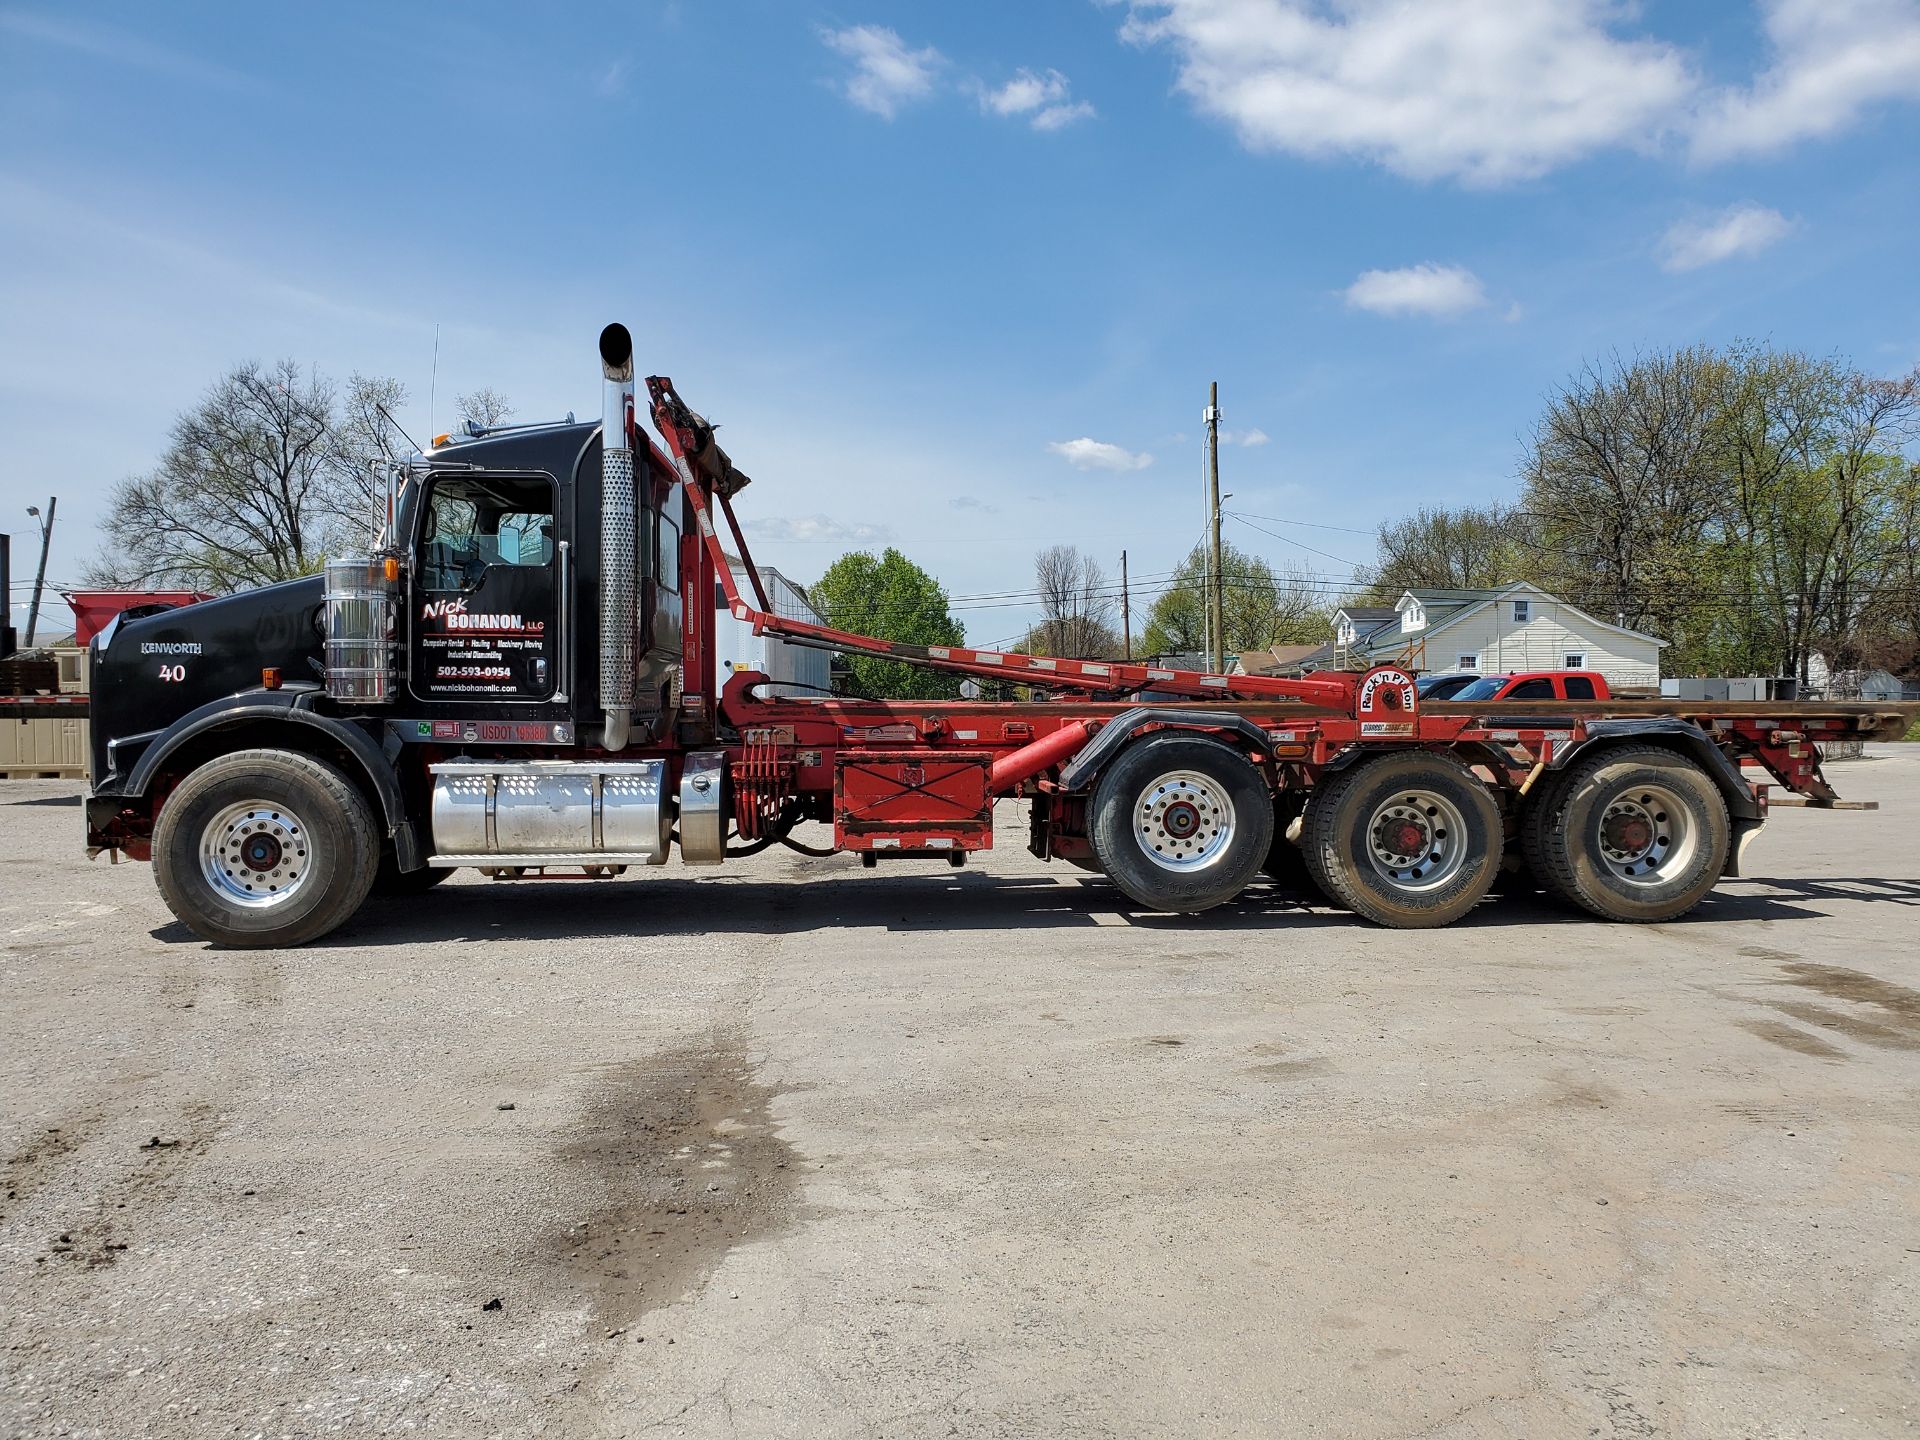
{"x":487,"y":610}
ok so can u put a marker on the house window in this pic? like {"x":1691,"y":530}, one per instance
{"x":1521,"y":609}
{"x":1467,"y":662}
{"x":1575,"y":660}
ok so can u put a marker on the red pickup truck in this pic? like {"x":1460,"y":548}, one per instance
{"x":1528,"y":685}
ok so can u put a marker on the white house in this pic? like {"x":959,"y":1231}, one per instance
{"x":1495,"y":632}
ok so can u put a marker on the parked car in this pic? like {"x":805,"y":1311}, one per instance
{"x":1443,"y":686}
{"x":1536,"y":685}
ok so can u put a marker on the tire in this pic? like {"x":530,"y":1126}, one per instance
{"x":1285,"y":864}
{"x":228,"y":849}
{"x":1536,"y":814}
{"x":1443,"y":818}
{"x":1181,"y":822}
{"x":389,"y":881}
{"x":1637,"y":834}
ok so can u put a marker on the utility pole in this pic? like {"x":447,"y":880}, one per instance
{"x":1216,"y":588}
{"x":40,"y":580}
{"x":6,"y":589}
{"x":1126,"y":612}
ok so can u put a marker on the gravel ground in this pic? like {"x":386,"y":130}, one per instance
{"x":794,"y":1149}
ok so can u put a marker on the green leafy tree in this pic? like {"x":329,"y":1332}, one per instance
{"x":1749,"y":505}
{"x":1260,"y":607}
{"x":891,"y":598}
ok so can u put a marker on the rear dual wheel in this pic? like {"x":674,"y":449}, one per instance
{"x":1637,"y":833}
{"x":1410,"y":840}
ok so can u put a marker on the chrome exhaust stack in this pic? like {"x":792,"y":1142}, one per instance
{"x":619,"y":537}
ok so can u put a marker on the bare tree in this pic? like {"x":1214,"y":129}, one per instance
{"x":1078,"y":605}
{"x":1472,"y":548}
{"x":483,"y":407}
{"x":1623,"y":488}
{"x":259,"y":480}
{"x":366,"y":440}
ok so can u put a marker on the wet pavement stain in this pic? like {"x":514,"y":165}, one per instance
{"x":1293,"y":1069}
{"x":688,"y":1163}
{"x":1791,"y":1039}
{"x":1836,"y":982}
{"x":1854,"y":1027}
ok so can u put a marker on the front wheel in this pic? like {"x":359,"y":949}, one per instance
{"x":1409,"y":840}
{"x":1181,"y":822}
{"x":264,"y":847}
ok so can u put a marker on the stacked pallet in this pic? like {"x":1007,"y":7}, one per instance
{"x":40,"y":747}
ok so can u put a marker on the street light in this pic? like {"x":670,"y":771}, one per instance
{"x":40,"y":579}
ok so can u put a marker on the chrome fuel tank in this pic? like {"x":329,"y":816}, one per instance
{"x":542,"y":812}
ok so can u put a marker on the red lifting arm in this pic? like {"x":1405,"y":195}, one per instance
{"x":709,"y":473}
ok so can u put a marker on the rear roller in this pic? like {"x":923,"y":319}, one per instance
{"x":1410,"y":841}
{"x":1181,"y":822}
{"x":1637,"y":834}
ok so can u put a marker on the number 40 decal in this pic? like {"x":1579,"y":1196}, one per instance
{"x":173,"y":672}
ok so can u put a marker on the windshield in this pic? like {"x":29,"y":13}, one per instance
{"x":1485,"y":688}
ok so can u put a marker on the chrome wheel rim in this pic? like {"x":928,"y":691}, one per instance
{"x":1416,"y":840}
{"x":1645,"y":835}
{"x":256,"y":854}
{"x":1184,"y":821}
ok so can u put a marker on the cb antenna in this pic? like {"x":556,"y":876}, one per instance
{"x":433,"y":384}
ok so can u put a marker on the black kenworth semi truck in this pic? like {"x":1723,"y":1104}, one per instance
{"x":521,"y":674}
{"x":466,"y":620}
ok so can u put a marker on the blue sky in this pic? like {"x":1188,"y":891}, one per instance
{"x":954,"y":277}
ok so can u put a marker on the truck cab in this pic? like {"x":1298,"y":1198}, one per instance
{"x":465,"y":650}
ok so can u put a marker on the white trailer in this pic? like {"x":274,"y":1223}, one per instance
{"x":796,"y":670}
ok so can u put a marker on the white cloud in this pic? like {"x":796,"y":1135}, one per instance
{"x":1245,"y":439}
{"x":1738,"y":230}
{"x":1832,"y":60}
{"x":1088,"y":454}
{"x":814,"y":530}
{"x":1044,"y":97}
{"x":613,"y":78}
{"x":886,"y":74}
{"x":973,"y":502}
{"x":1473,"y":90}
{"x":1058,"y":117}
{"x":1440,"y":291}
{"x":1026,"y":92}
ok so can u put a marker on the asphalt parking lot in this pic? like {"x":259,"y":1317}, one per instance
{"x":794,"y":1149}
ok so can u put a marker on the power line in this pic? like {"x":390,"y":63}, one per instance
{"x":1310,"y":524}
{"x":1289,"y":540}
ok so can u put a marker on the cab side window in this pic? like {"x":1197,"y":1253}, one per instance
{"x":473,"y":523}
{"x":669,"y":568}
{"x":1531,"y":690}
{"x":1579,"y":687}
